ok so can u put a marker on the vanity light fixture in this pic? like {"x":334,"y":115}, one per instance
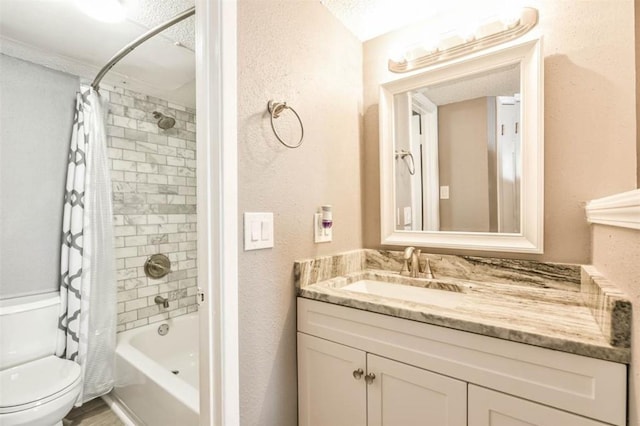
{"x":486,"y":35}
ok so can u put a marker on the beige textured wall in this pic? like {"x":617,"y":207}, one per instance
{"x":616,"y":254}
{"x":590,"y":131}
{"x":463,"y":165}
{"x":297,"y":52}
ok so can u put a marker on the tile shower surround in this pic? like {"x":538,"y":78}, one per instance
{"x":154,"y":204}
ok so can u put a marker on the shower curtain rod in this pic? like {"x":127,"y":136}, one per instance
{"x":137,"y":42}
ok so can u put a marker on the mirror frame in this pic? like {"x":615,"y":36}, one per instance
{"x":530,"y":239}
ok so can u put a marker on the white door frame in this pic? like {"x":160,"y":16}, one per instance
{"x":217,"y":174}
{"x":431,"y":179}
{"x":508,"y":117}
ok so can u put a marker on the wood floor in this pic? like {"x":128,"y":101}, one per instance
{"x":93,"y":413}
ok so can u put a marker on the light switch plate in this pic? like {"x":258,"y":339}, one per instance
{"x":258,"y":231}
{"x":444,"y":192}
{"x":407,"y":216}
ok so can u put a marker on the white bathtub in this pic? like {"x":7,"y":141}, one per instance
{"x":157,"y":376}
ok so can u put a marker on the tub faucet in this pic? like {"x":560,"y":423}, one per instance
{"x":164,"y":301}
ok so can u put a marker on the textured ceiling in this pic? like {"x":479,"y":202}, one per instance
{"x":55,"y":33}
{"x":153,"y":12}
{"x":368,"y":19}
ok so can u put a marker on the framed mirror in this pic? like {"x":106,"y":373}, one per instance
{"x":461,"y":153}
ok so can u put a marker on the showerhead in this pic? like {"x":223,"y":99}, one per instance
{"x":164,"y":121}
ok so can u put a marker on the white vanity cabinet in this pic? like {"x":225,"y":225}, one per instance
{"x":328,"y":392}
{"x":339,"y":385}
{"x":490,"y":408}
{"x":401,"y":394}
{"x":361,"y":368}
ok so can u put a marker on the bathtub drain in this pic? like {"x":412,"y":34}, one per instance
{"x":163,"y":329}
{"x":175,"y":372}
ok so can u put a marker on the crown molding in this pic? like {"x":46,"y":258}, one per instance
{"x":86,"y":72}
{"x":27,"y":52}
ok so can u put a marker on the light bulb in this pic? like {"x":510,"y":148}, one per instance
{"x":467,"y":29}
{"x":510,"y":14}
{"x":398,"y":55}
{"x":431,"y":45}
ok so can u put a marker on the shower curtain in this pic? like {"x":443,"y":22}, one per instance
{"x":87,"y":323}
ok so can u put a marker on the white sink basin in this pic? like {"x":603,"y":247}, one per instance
{"x":427,"y":296}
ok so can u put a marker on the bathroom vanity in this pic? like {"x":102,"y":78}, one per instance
{"x":519,"y":344}
{"x":481,"y":341}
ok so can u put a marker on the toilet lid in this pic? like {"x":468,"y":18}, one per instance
{"x":35,"y":380}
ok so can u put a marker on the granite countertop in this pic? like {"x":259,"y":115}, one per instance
{"x":563,"y":307}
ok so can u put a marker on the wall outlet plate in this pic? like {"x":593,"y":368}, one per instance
{"x":320,"y":234}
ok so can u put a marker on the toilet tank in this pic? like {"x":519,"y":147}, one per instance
{"x":28,"y":328}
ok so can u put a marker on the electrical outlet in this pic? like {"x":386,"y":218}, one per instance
{"x":320,"y":234}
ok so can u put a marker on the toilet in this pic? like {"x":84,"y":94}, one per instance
{"x":36,"y":387}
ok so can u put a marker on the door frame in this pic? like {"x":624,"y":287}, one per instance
{"x":431,"y":179}
{"x":504,"y":113}
{"x":217,"y":193}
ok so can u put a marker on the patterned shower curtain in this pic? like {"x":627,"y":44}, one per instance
{"x":87,"y":324}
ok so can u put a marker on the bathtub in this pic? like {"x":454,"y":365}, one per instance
{"x":157,"y":376}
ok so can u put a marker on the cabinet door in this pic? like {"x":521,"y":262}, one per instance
{"x":404,"y":395}
{"x":329,"y":394}
{"x":491,"y":408}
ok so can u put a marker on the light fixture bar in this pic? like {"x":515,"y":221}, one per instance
{"x":528,"y":19}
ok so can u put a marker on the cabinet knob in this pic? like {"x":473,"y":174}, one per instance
{"x":369,"y":378}
{"x":357,"y":374}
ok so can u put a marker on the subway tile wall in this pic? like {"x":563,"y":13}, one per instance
{"x":154,"y":204}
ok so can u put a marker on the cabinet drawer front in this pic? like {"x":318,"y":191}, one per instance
{"x":489,"y":408}
{"x":405,"y":395}
{"x":328,"y":392}
{"x":587,"y":386}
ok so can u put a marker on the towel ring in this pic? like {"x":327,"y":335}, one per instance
{"x":275,"y":109}
{"x":411,"y":166}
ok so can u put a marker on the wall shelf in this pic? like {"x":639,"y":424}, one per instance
{"x":622,"y":210}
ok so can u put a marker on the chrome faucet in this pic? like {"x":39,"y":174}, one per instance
{"x":412,"y":266}
{"x":164,"y":301}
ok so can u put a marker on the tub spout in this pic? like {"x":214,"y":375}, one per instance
{"x":164,"y":301}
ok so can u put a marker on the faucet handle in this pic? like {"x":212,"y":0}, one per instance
{"x":427,"y":270}
{"x":405,"y":268}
